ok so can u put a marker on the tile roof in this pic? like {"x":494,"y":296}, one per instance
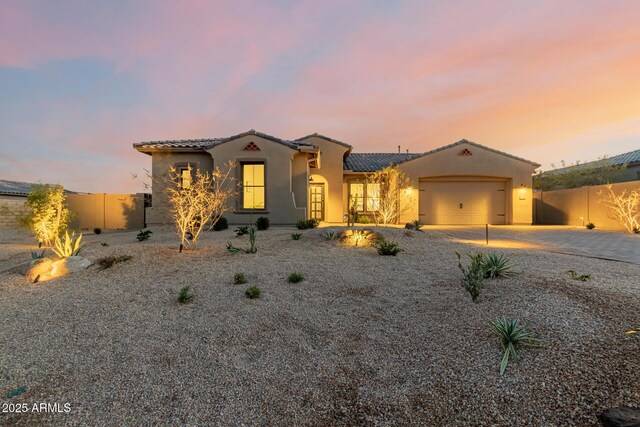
{"x":323,"y":137}
{"x":371,"y":162}
{"x":205,"y":144}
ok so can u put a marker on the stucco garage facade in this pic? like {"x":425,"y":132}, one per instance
{"x":467,"y":183}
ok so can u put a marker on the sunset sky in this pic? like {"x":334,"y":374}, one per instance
{"x":81,"y":81}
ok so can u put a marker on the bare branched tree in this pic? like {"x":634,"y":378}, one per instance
{"x":623,"y":207}
{"x":385,"y":196}
{"x":197,"y":200}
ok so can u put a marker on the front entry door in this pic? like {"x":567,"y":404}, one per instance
{"x":316,"y":198}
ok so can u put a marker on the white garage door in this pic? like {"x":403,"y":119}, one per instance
{"x":452,"y":203}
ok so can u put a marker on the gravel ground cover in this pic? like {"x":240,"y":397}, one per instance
{"x":362,"y":340}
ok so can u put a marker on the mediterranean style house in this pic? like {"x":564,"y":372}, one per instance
{"x":316,"y":176}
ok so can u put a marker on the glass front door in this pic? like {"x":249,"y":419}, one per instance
{"x":316,"y":198}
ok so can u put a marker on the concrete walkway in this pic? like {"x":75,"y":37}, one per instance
{"x":607,"y":244}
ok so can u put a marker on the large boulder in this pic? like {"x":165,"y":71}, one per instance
{"x":622,"y":416}
{"x":69,"y":265}
{"x":40,"y":267}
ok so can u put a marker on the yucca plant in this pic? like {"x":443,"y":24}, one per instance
{"x":252,"y":240}
{"x":495,"y":265}
{"x":512,"y":335}
{"x":68,"y":246}
{"x":330,"y":235}
{"x":296,"y":236}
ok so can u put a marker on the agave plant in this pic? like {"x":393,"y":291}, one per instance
{"x":36,"y":255}
{"x":512,"y":335}
{"x":497,"y":266}
{"x":68,"y":246}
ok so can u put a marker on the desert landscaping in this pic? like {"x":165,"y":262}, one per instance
{"x":361,"y":339}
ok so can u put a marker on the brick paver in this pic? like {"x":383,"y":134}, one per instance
{"x":608,"y":244}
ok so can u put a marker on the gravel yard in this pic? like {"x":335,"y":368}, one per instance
{"x":363,"y":340}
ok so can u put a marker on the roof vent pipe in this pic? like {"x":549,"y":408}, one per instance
{"x":398,"y":149}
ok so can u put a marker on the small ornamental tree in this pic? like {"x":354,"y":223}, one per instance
{"x":623,"y":207}
{"x":385,"y":196}
{"x":47,"y":214}
{"x":199,"y":202}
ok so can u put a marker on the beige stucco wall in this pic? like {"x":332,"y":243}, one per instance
{"x":285,"y":177}
{"x":106,"y":211}
{"x":331,"y":170}
{"x":11,"y":208}
{"x":483,"y":163}
{"x":578,"y":206}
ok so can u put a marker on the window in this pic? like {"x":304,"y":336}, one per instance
{"x":373,"y":197}
{"x":368,"y":192}
{"x":184,"y":173}
{"x":253,"y":185}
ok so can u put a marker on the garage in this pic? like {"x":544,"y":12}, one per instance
{"x":462,"y":202}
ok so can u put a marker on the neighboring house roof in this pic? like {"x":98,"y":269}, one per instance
{"x":19,"y":188}
{"x":630,"y":158}
{"x":371,"y":162}
{"x":15,"y":188}
{"x":205,"y":144}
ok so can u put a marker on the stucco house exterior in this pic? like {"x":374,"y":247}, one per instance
{"x":315,"y":177}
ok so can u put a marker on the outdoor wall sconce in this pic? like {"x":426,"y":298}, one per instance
{"x":522,"y":192}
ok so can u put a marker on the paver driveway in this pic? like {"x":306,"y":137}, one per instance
{"x":607,"y":244}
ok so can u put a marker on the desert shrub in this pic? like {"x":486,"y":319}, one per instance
{"x":590,"y":226}
{"x":330,"y":235}
{"x":221,"y":224}
{"x":36,"y":255}
{"x":252,"y":292}
{"x":144,"y":235}
{"x":252,"y":240}
{"x":241,"y":230}
{"x":262,"y":223}
{"x":295,"y":278}
{"x":579,"y":277}
{"x":196,"y":198}
{"x":104,"y":244}
{"x":305,"y":224}
{"x":109,"y":261}
{"x":97,"y":230}
{"x":47,"y":213}
{"x":417,"y":224}
{"x":624,"y":207}
{"x":387,"y":247}
{"x":497,"y":266}
{"x":68,"y":245}
{"x":389,"y":187}
{"x":185,"y":296}
{"x":512,"y":335}
{"x":472,"y":275}
{"x":296,"y":236}
{"x":239,"y":279}
{"x":363,"y":219}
